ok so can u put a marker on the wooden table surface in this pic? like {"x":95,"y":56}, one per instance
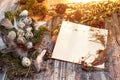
{"x":59,"y":70}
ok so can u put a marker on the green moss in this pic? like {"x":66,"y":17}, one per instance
{"x":14,"y":66}
{"x":43,"y":10}
{"x":39,"y":10}
{"x":6,"y":31}
{"x":35,"y":54}
{"x":38,"y":34}
{"x":11,"y":14}
{"x":29,"y":3}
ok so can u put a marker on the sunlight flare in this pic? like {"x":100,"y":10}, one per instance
{"x":77,"y":1}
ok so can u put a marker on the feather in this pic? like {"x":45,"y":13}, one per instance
{"x":15,"y":24}
{"x":2,"y":44}
{"x":6,"y":23}
{"x":38,"y":61}
{"x":17,"y":50}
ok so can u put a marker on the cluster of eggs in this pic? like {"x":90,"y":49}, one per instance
{"x":22,"y":33}
{"x":24,"y":30}
{"x":24,"y":27}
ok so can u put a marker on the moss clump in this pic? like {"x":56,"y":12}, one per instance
{"x":36,"y":10}
{"x":38,"y":34}
{"x":6,"y":31}
{"x":10,"y":15}
{"x":29,"y":3}
{"x":39,"y":10}
{"x":14,"y":67}
{"x":60,"y":8}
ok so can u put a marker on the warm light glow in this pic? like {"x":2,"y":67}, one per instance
{"x":76,"y":1}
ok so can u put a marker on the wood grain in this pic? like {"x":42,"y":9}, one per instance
{"x":59,"y":70}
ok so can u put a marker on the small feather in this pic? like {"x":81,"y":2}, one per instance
{"x":15,"y":24}
{"x":38,"y":61}
{"x":2,"y":44}
{"x":6,"y":23}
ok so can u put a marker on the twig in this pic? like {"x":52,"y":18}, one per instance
{"x":28,"y":71}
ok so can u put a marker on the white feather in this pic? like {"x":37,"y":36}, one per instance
{"x":15,"y":24}
{"x":39,"y":60}
{"x":39,"y":57}
{"x":2,"y":44}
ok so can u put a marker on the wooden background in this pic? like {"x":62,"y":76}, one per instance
{"x":59,"y":70}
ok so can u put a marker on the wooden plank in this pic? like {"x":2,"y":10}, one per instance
{"x":56,"y":70}
{"x":59,"y":70}
{"x":78,"y":72}
{"x":114,"y":47}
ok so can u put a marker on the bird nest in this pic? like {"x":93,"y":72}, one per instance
{"x":19,"y":40}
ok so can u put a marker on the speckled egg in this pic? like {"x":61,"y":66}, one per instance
{"x":21,"y":24}
{"x":29,"y":45}
{"x":26,"y":62}
{"x":29,"y":35}
{"x":21,"y":40}
{"x":20,"y":32}
{"x":29,"y":29}
{"x":11,"y":35}
{"x":24,"y":13}
{"x":26,"y":20}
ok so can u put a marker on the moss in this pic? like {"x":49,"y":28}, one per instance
{"x":29,"y":3}
{"x":11,"y":14}
{"x":14,"y":66}
{"x":61,"y":8}
{"x":35,"y":9}
{"x":38,"y":34}
{"x":6,"y":31}
{"x":39,"y":10}
{"x":44,"y":10}
{"x":35,"y":54}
